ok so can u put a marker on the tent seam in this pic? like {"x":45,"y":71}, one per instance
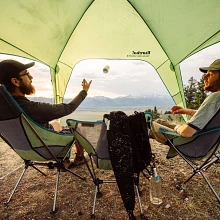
{"x":198,"y":47}
{"x":35,"y":58}
{"x":74,"y":30}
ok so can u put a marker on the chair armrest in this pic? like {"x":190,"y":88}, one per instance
{"x":168,"y":132}
{"x":207,"y":131}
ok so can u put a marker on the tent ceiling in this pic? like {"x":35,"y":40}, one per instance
{"x":61,"y":33}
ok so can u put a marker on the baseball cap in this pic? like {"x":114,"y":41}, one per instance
{"x":214,"y":66}
{"x":11,"y":68}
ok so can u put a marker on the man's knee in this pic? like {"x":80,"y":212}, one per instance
{"x":56,"y":125}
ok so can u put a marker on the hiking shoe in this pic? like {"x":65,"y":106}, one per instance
{"x":66,"y":162}
{"x":76,"y":162}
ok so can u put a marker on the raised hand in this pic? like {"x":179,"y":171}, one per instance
{"x":86,"y":85}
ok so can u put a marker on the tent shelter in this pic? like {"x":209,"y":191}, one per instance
{"x":61,"y":33}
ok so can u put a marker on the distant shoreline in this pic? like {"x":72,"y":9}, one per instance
{"x":94,"y":114}
{"x":117,"y":108}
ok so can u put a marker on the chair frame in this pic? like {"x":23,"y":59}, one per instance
{"x":212,"y":157}
{"x":50,"y":163}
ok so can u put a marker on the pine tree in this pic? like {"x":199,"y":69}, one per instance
{"x":190,"y":93}
{"x":149,"y":110}
{"x":200,"y":94}
{"x":194,"y":93}
{"x":155,"y":113}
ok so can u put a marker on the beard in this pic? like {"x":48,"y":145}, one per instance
{"x":212,"y":88}
{"x":27,"y":89}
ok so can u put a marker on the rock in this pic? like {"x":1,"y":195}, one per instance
{"x":167,"y":206}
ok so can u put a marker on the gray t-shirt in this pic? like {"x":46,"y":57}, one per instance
{"x":206,"y":111}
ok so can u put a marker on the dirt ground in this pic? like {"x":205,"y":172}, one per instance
{"x":34,"y":197}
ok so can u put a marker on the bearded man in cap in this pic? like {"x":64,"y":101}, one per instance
{"x":200,"y":117}
{"x":18,"y":81}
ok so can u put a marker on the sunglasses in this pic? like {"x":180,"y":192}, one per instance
{"x":26,"y":74}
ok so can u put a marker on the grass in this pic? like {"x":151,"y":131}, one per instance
{"x":34,"y":196}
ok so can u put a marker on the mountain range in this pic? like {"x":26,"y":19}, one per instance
{"x":123,"y":101}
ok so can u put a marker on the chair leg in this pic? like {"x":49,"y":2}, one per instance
{"x":94,"y":202}
{"x":139,"y":202}
{"x":136,"y":183}
{"x":60,"y":166}
{"x":1,"y":178}
{"x":201,"y":169}
{"x":38,"y":170}
{"x":75,"y":174}
{"x":98,"y":182}
{"x":210,"y":186}
{"x":91,"y":170}
{"x":19,"y":180}
{"x":191,"y":177}
{"x":55,"y":192}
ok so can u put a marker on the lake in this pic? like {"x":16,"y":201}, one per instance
{"x":94,"y":114}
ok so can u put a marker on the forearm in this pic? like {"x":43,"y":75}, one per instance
{"x":61,"y":110}
{"x":185,"y":130}
{"x":77,"y":100}
{"x":190,"y":112}
{"x":44,"y":112}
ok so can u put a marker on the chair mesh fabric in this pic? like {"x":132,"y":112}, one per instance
{"x":58,"y":143}
{"x":94,"y":140}
{"x":8,"y":109}
{"x":13,"y":132}
{"x":27,"y":138}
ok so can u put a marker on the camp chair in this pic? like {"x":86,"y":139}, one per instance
{"x":93,"y":137}
{"x":32,"y":142}
{"x":200,"y":151}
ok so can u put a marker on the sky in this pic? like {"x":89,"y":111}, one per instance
{"x":125,"y":77}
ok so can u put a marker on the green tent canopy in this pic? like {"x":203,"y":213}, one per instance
{"x":60,"y":33}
